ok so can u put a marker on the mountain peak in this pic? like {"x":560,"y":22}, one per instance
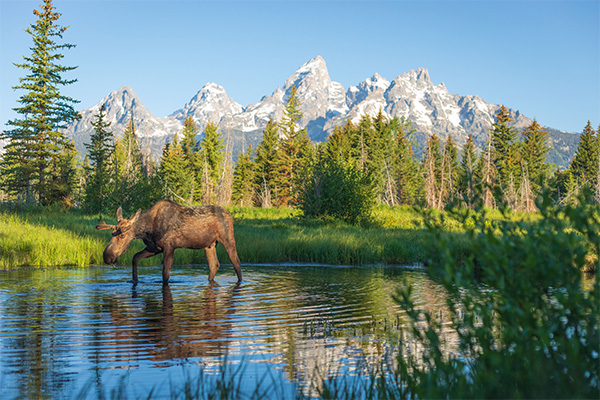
{"x":422,"y":74}
{"x":314,"y":64}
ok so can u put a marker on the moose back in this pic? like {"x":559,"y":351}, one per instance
{"x":167,"y":226}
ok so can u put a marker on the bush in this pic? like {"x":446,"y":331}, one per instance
{"x":338,"y":190}
{"x":526,"y":327}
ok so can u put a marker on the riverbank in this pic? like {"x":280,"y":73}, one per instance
{"x":38,"y":237}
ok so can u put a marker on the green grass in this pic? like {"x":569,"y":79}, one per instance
{"x":42,"y":237}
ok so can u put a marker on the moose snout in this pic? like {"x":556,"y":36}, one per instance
{"x":109,"y":257}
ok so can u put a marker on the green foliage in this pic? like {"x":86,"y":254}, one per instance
{"x":525,"y":326}
{"x":265,"y":167}
{"x":244,"y":180}
{"x":133,"y":183}
{"x":339,"y":190}
{"x":36,"y":145}
{"x":100,"y":150}
{"x":177,"y":181}
{"x":467,"y":170}
{"x":211,"y":158}
{"x":534,"y":150}
{"x":504,"y":143}
{"x":293,"y":154}
{"x":585,"y":163}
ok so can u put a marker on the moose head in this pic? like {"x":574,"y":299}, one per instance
{"x":123,"y":233}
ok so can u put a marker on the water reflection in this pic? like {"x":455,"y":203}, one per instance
{"x":62,"y":329}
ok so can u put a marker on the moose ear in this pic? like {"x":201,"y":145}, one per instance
{"x":119,"y":214}
{"x":136,"y":215}
{"x":102,"y":225}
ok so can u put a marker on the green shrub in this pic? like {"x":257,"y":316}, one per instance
{"x":338,"y":190}
{"x":525,"y":326}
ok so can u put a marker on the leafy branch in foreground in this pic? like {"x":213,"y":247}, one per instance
{"x":526,"y":325}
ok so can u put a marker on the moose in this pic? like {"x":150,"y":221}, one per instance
{"x":167,"y":226}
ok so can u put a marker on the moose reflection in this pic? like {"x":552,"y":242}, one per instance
{"x":167,"y":226}
{"x":195,"y":325}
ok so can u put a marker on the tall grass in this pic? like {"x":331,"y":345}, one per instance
{"x":42,"y":237}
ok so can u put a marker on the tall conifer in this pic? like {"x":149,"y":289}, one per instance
{"x":293,"y":151}
{"x":585,"y":162}
{"x":100,"y":150}
{"x":35,"y":144}
{"x":265,"y":169}
{"x":211,"y":160}
{"x":504,"y":138}
{"x":467,"y":178}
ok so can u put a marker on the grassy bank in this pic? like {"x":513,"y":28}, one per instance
{"x":46,"y":237}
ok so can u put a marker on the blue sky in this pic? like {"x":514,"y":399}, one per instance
{"x":539,"y":57}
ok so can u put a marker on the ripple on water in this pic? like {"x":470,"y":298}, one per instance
{"x":61,"y":331}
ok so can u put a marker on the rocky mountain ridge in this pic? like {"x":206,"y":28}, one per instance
{"x":324,"y":104}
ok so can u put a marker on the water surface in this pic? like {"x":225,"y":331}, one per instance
{"x":69,"y":332}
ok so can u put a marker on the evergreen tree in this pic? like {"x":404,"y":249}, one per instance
{"x":211,"y":160}
{"x":292,"y":157}
{"x":533,"y":151}
{"x":432,"y":171}
{"x":265,"y":164}
{"x":504,"y":138}
{"x":409,"y":179}
{"x":35,"y":144}
{"x":178,"y":183}
{"x":585,"y":162}
{"x":100,"y":149}
{"x":243,"y":179}
{"x":467,"y":174}
{"x":449,"y":172}
{"x":130,"y":183}
{"x":190,"y":149}
{"x":133,"y":169}
{"x":487,"y":170}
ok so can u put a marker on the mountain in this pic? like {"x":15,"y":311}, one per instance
{"x":324,"y":104}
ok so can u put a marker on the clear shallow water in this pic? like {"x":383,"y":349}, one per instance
{"x":69,"y":332}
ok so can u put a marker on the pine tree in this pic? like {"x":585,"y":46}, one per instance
{"x":449,"y":172}
{"x":292,"y":156}
{"x":100,"y":149}
{"x":129,"y":184}
{"x":211,"y":160}
{"x":585,"y":162}
{"x":487,"y":170}
{"x":243,"y":179}
{"x":432,"y":171}
{"x":190,"y":149}
{"x":265,"y":164}
{"x":467,"y":177}
{"x":533,"y":152}
{"x":35,"y":144}
{"x":178,"y":183}
{"x":409,"y":180}
{"x":504,"y":138}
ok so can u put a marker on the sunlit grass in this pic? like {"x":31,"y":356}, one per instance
{"x":48,"y":237}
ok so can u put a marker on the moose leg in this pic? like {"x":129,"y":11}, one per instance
{"x":167,"y":265}
{"x":213,"y":261}
{"x":235,"y":260}
{"x":136,"y":259}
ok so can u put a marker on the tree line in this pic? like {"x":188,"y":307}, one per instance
{"x":359,"y":165}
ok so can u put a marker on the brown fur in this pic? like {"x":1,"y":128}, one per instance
{"x":167,"y":226}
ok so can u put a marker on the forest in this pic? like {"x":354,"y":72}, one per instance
{"x":360,"y":165}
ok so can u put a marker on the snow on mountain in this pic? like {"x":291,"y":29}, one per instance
{"x":211,"y":103}
{"x":324,"y":105}
{"x":121,"y":106}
